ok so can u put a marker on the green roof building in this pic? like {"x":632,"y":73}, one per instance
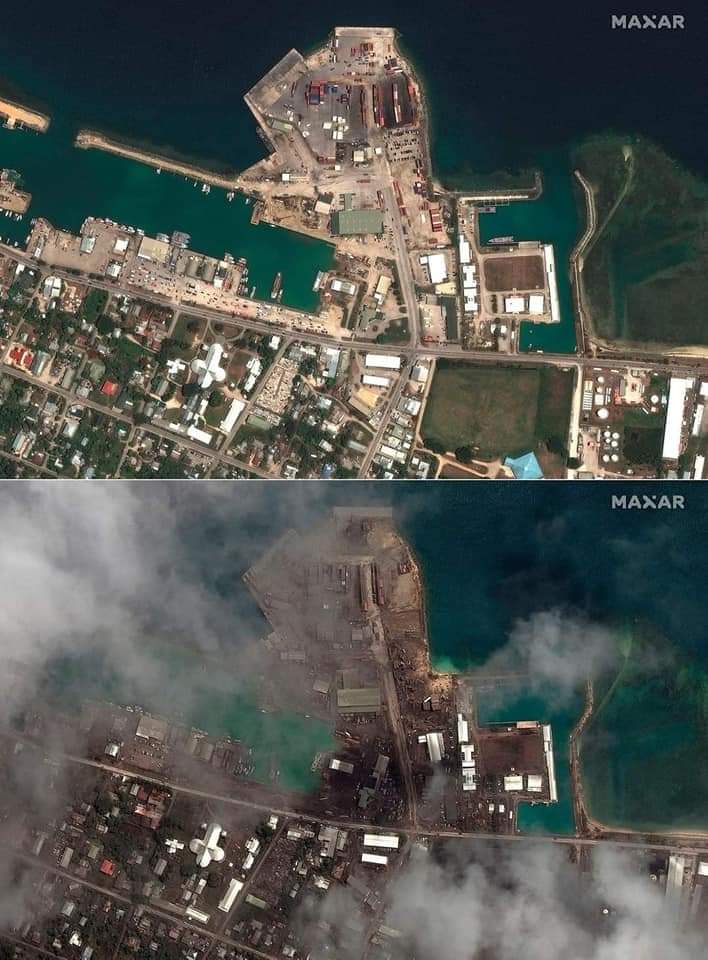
{"x":346,"y":223}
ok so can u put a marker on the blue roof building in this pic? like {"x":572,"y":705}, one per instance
{"x":525,"y":467}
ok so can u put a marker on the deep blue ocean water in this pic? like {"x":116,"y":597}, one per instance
{"x":506,"y":80}
{"x":510,"y":86}
{"x":493,"y":554}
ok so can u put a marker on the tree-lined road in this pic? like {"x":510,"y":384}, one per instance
{"x":410,"y":351}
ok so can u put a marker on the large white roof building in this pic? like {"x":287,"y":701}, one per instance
{"x":208,"y":850}
{"x":208,"y":369}
{"x":437,"y":266}
{"x":233,"y":890}
{"x":673,"y":429}
{"x":389,"y":841}
{"x":382,"y":361}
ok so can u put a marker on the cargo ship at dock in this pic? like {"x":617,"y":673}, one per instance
{"x":277,"y":284}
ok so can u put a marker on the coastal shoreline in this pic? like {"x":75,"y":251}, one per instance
{"x":93,"y":140}
{"x":586,"y":824}
{"x":17,"y":116}
{"x":582,"y":312}
{"x":653,"y":350}
{"x":418,"y":576}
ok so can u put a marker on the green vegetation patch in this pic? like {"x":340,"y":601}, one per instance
{"x":98,"y":441}
{"x":646,"y":274}
{"x":642,"y":445}
{"x":216,"y":408}
{"x":94,"y":304}
{"x":169,"y":469}
{"x":12,"y":410}
{"x":498,"y":411}
{"x":395,"y":332}
{"x":184,"y":337}
{"x":124,"y":357}
{"x":255,"y":428}
{"x":553,"y":414}
{"x":643,"y":436}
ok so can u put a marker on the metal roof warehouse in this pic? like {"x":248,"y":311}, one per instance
{"x":353,"y":222}
{"x":360,"y":700}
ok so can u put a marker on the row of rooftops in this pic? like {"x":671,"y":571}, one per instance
{"x":469,"y":764}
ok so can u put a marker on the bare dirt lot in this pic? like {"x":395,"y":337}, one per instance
{"x":502,"y":751}
{"x":514,"y":273}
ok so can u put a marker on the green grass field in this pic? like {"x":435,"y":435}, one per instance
{"x":499,"y":411}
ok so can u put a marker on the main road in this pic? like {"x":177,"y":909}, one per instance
{"x":679,"y":364}
{"x":403,"y":263}
{"x":696,"y":844}
{"x":409,"y":351}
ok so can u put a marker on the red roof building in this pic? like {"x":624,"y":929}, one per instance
{"x":108,"y":867}
{"x":21,"y":356}
{"x":109,"y":388}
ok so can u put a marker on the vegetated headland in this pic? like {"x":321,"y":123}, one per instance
{"x":643,"y":269}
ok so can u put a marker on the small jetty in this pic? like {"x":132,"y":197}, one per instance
{"x":16,"y":117}
{"x":13,"y":201}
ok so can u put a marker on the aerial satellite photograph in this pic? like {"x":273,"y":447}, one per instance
{"x":350,"y":715}
{"x":382,"y":242}
{"x":337,"y":722}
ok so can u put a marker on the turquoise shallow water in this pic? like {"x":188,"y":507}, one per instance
{"x":493,"y":554}
{"x":645,"y":756}
{"x":540,"y":817}
{"x":208,"y":699}
{"x":552,"y":218}
{"x":68,"y":184}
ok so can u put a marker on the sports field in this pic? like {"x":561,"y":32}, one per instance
{"x":498,"y":411}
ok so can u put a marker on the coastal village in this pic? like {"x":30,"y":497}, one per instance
{"x":156,"y":838}
{"x":347,"y":722}
{"x":165,"y":362}
{"x":99,"y":383}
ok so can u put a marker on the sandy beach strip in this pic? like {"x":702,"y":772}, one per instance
{"x":14,"y":114}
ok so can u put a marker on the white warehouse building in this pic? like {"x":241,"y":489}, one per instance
{"x":678,"y":388}
{"x":382,"y":361}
